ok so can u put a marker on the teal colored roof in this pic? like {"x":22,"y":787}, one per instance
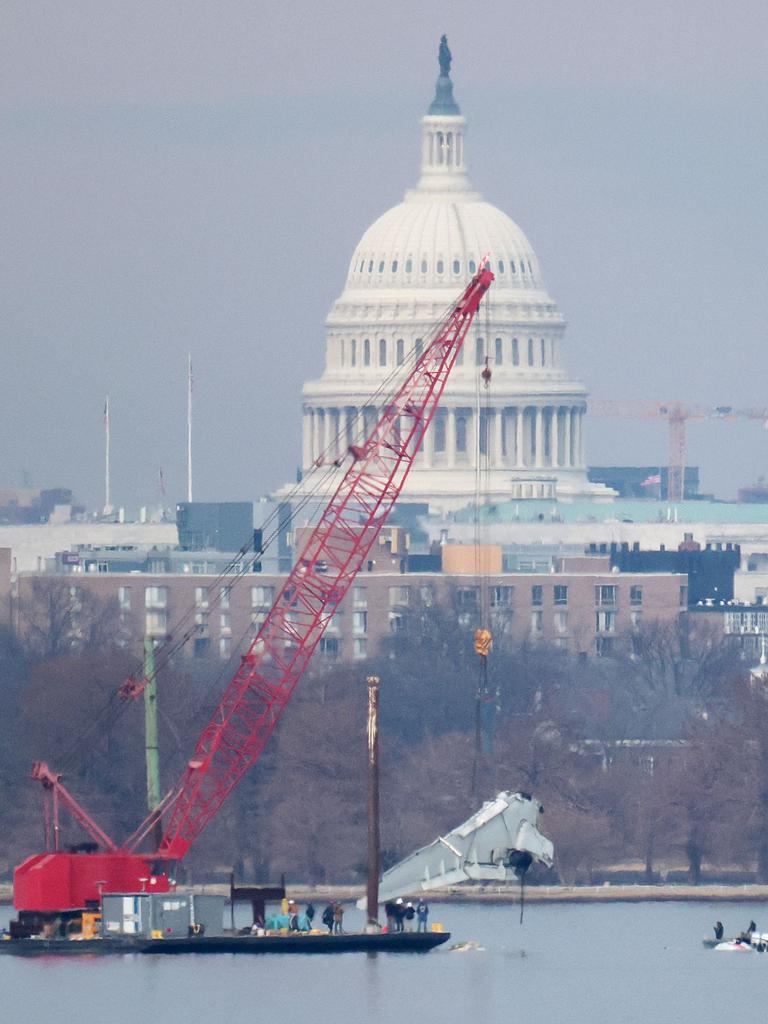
{"x":620,"y":510}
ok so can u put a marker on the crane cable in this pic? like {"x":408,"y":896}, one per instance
{"x":483,"y":637}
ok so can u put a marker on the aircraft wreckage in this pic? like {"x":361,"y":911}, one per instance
{"x":498,"y":843}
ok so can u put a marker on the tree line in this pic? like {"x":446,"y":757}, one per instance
{"x":650,"y":760}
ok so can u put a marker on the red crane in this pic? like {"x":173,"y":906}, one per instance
{"x":268,"y":673}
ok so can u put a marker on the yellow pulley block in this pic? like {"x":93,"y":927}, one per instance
{"x":483,"y":642}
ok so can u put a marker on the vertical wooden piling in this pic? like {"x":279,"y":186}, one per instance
{"x":373,"y":803}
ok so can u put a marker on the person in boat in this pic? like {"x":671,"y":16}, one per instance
{"x":391,"y":915}
{"x":719,"y":930}
{"x":410,"y":916}
{"x":328,"y":918}
{"x":309,"y":913}
{"x":422,"y":913}
{"x":338,"y":918}
{"x":399,"y":913}
{"x":293,"y":917}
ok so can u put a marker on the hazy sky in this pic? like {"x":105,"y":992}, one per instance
{"x":193,"y":176}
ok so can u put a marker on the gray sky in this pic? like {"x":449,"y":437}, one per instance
{"x":193,"y":176}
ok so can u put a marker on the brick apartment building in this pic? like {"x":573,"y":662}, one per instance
{"x":582,"y":605}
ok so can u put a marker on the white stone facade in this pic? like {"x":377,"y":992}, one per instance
{"x":526,"y":429}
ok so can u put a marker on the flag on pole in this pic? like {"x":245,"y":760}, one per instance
{"x":651,"y":480}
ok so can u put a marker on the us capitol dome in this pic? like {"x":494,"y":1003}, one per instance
{"x":410,"y":265}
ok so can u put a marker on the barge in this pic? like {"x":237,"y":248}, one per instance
{"x":353,"y":942}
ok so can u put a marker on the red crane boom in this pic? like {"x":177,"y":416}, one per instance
{"x":257,"y":695}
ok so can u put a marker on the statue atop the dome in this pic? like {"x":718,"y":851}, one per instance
{"x":444,"y":57}
{"x":444,"y":103}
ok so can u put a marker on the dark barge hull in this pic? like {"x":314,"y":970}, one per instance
{"x":405,"y":942}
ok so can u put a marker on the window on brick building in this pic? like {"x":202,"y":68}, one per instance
{"x":156,"y":597}
{"x":262,"y":597}
{"x":683,"y":597}
{"x":605,"y":596}
{"x":537,"y":594}
{"x":561,"y":594}
{"x":399,"y":596}
{"x":605,"y":622}
{"x":360,"y":647}
{"x":560,"y":622}
{"x":359,"y":622}
{"x":156,"y":623}
{"x":330,"y":647}
{"x":537,"y":623}
{"x":397,"y":622}
{"x":604,"y":645}
{"x":359,"y":597}
{"x":502,"y":597}
{"x":635,"y":595}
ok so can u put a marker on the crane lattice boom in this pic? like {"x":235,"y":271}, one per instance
{"x":332,"y":557}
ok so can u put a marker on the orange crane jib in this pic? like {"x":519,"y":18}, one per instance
{"x":269,"y":671}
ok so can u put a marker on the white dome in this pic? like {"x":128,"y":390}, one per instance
{"x":406,"y":270}
{"x":434,"y":241}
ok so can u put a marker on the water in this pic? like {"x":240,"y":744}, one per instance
{"x":623,"y":964}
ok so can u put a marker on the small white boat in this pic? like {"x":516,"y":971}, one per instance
{"x":734,"y":946}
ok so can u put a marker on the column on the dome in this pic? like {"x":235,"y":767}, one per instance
{"x":334,"y":440}
{"x":306,"y":438}
{"x":554,"y":439}
{"x":519,"y":437}
{"x":313,"y":434}
{"x":428,"y":444}
{"x":582,"y":455}
{"x":450,"y":440}
{"x":567,"y":459}
{"x":321,"y":432}
{"x":575,"y":435}
{"x":349,"y":412}
{"x":498,"y":445}
{"x":538,"y":451}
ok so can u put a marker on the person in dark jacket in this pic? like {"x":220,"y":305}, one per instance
{"x":719,"y":930}
{"x":399,"y":914}
{"x":309,"y":913}
{"x":391,"y":915}
{"x":409,"y":916}
{"x":328,"y":918}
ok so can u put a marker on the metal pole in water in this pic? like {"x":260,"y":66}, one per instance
{"x":373,"y":804}
{"x":150,"y":736}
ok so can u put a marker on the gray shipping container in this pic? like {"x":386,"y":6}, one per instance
{"x":171,"y":914}
{"x":208,"y":911}
{"x":168,"y":913}
{"x":126,"y":914}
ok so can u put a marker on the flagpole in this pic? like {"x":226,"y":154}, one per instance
{"x":189,"y":426}
{"x":107,"y":439}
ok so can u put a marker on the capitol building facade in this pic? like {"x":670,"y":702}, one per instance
{"x":526,"y":429}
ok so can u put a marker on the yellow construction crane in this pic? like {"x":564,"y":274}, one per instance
{"x":676,"y":414}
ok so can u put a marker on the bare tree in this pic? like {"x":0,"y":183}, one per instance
{"x":58,"y":617}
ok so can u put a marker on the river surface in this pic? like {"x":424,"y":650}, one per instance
{"x":568,"y":964}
